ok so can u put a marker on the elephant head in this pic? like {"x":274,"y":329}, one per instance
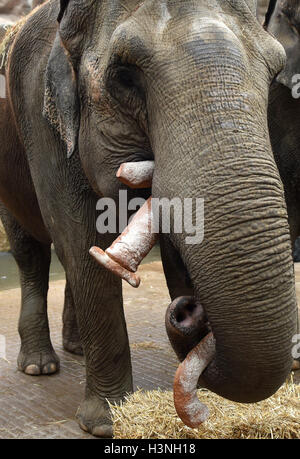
{"x":284,"y":24}
{"x":185,"y":84}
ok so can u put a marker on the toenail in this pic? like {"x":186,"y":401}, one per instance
{"x":32,"y":370}
{"x":50,"y":368}
{"x":104,"y":431}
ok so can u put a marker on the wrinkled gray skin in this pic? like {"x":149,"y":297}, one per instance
{"x":185,"y":83}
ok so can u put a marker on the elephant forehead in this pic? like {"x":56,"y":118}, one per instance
{"x":206,"y":31}
{"x":135,"y":44}
{"x":211,"y":28}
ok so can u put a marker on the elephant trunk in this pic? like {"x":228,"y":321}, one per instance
{"x":242,"y":272}
{"x":188,"y":407}
{"x":217,"y":149}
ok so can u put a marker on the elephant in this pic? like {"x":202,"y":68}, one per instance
{"x":93,"y":85}
{"x":284,"y":109}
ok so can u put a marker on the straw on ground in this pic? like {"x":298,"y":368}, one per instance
{"x":151,"y":415}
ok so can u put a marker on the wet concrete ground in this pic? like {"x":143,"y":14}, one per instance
{"x":44,"y":406}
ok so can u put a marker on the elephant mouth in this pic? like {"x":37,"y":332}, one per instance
{"x":186,"y":323}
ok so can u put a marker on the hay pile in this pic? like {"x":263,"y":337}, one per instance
{"x":151,"y":415}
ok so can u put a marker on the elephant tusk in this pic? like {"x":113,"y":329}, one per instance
{"x":103,"y":259}
{"x":126,"y":253}
{"x":188,"y":407}
{"x":136,"y":175}
{"x":136,"y":241}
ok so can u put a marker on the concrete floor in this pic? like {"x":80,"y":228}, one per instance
{"x":44,"y":406}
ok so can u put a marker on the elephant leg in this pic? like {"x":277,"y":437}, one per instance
{"x":37,"y":355}
{"x":98,"y":302}
{"x":71,"y":338}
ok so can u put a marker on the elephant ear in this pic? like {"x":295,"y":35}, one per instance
{"x":61,"y":102}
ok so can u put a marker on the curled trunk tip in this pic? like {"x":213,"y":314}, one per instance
{"x":188,"y":407}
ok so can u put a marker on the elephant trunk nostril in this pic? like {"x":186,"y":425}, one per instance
{"x":187,"y":314}
{"x":186,"y":325}
{"x":184,"y":310}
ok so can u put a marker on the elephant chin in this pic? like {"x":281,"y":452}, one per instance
{"x":194,"y":343}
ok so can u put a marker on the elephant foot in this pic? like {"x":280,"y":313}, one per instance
{"x":38,"y":363}
{"x":73,"y":347}
{"x":94,"y":416}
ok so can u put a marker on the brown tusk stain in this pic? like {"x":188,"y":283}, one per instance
{"x":126,"y":253}
{"x":104,"y":260}
{"x":188,"y":407}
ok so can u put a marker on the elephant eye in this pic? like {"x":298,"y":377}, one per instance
{"x":126,"y":78}
{"x":125,"y":83}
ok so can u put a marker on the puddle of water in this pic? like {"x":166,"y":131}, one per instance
{"x":9,"y":274}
